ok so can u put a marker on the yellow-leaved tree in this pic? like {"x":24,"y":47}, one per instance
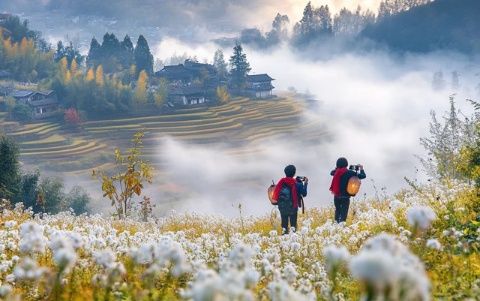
{"x":132,"y":173}
{"x":141,"y":88}
{"x":161,"y":94}
{"x":74,"y":68}
{"x":99,"y":79}
{"x":222,"y":94}
{"x":90,"y":75}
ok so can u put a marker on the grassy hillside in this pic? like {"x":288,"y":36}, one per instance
{"x":241,"y":121}
{"x":431,"y":249}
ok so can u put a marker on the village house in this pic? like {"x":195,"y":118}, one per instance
{"x":43,"y":103}
{"x":190,"y":83}
{"x":188,"y":95}
{"x":259,"y":86}
{"x":193,"y":83}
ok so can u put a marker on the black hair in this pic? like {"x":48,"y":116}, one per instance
{"x":342,"y":162}
{"x":290,"y":171}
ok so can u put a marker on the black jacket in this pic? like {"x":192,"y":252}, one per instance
{"x":344,"y":180}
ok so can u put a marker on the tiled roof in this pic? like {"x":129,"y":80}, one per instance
{"x":259,"y":78}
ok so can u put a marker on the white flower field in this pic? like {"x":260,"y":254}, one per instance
{"x":411,"y":247}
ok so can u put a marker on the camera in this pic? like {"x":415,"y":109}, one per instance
{"x":300,"y":178}
{"x":355,"y":167}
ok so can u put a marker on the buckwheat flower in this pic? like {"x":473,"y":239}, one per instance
{"x":290,"y":273}
{"x":5,"y":290}
{"x":105,"y":258}
{"x":10,"y":278}
{"x":421,"y":217}
{"x":281,"y":291}
{"x":434,"y":244}
{"x":335,"y":256}
{"x":28,"y":270}
{"x":10,"y":224}
{"x":377,"y":269}
{"x":240,"y":256}
{"x":65,"y":258}
{"x":32,"y":239}
{"x":250,"y":278}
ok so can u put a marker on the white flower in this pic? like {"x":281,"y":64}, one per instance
{"x":28,"y":269}
{"x":5,"y":290}
{"x":105,"y":258}
{"x":434,"y":244}
{"x":31,"y":238}
{"x":420,"y":216}
{"x":379,"y":269}
{"x":282,"y":291}
{"x":334,"y":256}
{"x":10,"y":224}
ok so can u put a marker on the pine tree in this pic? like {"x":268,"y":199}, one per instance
{"x":10,"y":168}
{"x":143,"y":57}
{"x":220,"y":64}
{"x":127,"y":57}
{"x":239,"y":67}
{"x":94,"y":53}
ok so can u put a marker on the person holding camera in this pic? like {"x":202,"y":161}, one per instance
{"x":289,"y":193}
{"x":341,"y":175}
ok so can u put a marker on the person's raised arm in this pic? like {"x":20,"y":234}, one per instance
{"x":361,"y":174}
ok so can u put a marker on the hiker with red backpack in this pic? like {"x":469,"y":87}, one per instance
{"x":288,"y":194}
{"x":345,"y":184}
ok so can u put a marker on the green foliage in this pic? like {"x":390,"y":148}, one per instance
{"x":143,"y":57}
{"x":9,"y":168}
{"x":122,"y":187}
{"x":18,"y":30}
{"x":51,"y":195}
{"x":446,"y":143}
{"x":239,"y":67}
{"x":29,"y":190}
{"x":161,"y":93}
{"x":220,"y":64}
{"x":95,"y":94}
{"x":24,"y":60}
{"x":69,"y":52}
{"x":112,"y":54}
{"x":78,"y":199}
{"x":22,"y":112}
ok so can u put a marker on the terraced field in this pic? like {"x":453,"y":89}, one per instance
{"x":242,"y":122}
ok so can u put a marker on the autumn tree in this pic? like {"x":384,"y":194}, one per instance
{"x":161,"y":94}
{"x":124,"y":186}
{"x":99,"y":77}
{"x":141,"y":88}
{"x":222,"y":94}
{"x":72,"y":117}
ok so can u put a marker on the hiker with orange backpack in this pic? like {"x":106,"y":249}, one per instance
{"x":288,"y":195}
{"x":345,"y":184}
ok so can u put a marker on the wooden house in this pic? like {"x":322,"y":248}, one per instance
{"x":43,"y":103}
{"x":259,"y":86}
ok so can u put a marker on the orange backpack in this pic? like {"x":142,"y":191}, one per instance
{"x":353,"y":185}
{"x":270,"y":191}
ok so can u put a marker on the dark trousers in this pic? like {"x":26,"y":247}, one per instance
{"x":341,"y":208}
{"x":292,"y":217}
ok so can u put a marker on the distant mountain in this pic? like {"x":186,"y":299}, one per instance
{"x":439,"y":25}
